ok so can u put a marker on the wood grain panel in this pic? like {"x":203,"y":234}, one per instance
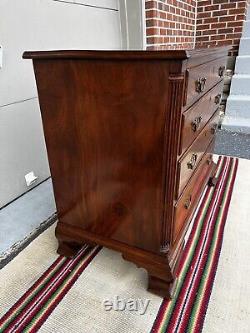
{"x":104,"y":144}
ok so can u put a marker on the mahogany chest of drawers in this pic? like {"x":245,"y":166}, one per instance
{"x":130,"y":136}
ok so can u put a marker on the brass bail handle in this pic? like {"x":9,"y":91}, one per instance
{"x":188,"y":202}
{"x":196,"y":123}
{"x":221,"y":71}
{"x":217,"y":99}
{"x":214,"y":129}
{"x":200,"y":84}
{"x":192,"y":162}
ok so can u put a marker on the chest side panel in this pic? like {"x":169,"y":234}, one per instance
{"x":104,"y":124}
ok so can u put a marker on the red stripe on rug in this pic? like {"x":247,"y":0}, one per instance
{"x":194,"y":276}
{"x":208,"y":291}
{"x":51,"y":308}
{"x":199,"y":260}
{"x":69,"y":264}
{"x":180,"y":315}
{"x":165,"y":302}
{"x":30,"y":290}
{"x":27,"y":313}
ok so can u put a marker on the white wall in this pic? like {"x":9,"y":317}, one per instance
{"x":133,"y":24}
{"x":40,"y":25}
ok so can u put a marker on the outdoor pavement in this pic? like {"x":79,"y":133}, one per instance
{"x":232,"y":144}
{"x":24,"y":219}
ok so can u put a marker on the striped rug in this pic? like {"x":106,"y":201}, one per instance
{"x":196,"y":272}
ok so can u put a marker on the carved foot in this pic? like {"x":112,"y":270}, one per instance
{"x":161,"y":287}
{"x":212,"y":181}
{"x":161,"y":280}
{"x":68,"y":249}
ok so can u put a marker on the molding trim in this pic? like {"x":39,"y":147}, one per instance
{"x":172,"y":137}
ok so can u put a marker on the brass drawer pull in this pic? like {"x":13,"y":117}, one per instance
{"x":200,"y":84}
{"x":187,"y":203}
{"x":192,"y":162}
{"x":214,"y":129}
{"x":209,"y":161}
{"x":217,"y":99}
{"x":196,"y":123}
{"x":221,"y":71}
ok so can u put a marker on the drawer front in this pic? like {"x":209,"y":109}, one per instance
{"x":202,"y":78}
{"x":195,"y":118}
{"x":187,"y":203}
{"x":190,"y":161}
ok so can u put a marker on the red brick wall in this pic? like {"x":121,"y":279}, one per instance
{"x":220,"y":22}
{"x":170,"y":24}
{"x":173,"y":24}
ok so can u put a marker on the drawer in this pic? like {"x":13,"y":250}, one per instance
{"x":190,"y":161}
{"x":196,"y":117}
{"x":202,"y":78}
{"x":187,"y":203}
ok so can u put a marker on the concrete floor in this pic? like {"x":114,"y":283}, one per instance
{"x":232,"y":144}
{"x":25,"y":218}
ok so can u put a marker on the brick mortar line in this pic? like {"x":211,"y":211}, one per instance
{"x":170,"y":36}
{"x":226,"y":3}
{"x":171,"y":44}
{"x":223,"y":33}
{"x":156,"y":36}
{"x":166,"y":20}
{"x":222,"y":23}
{"x":176,"y":15}
{"x":189,"y":40}
{"x":170,"y":5}
{"x":226,"y":15}
{"x":216,"y":40}
{"x":195,"y":25}
{"x":174,"y":29}
{"x":168,"y":11}
{"x":170,"y":21}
